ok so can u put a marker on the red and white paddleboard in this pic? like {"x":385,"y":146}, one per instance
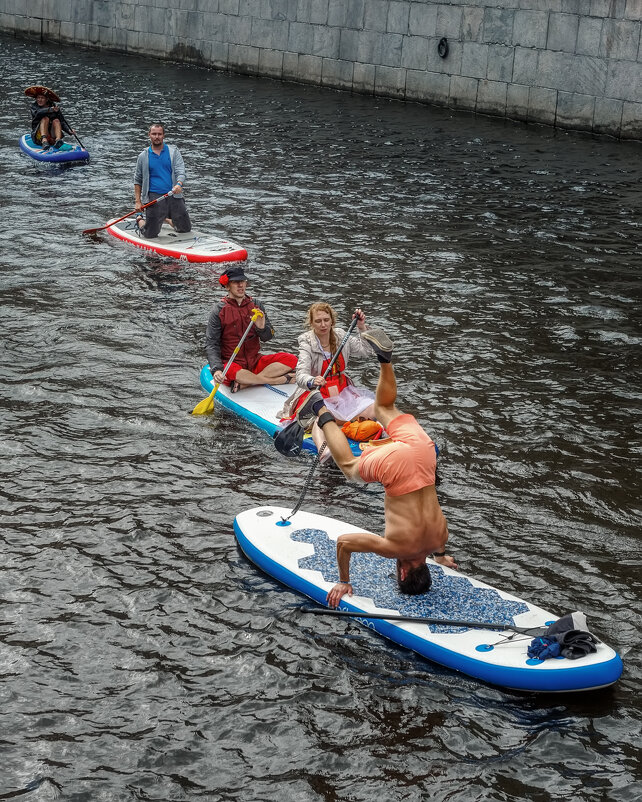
{"x":194,"y":246}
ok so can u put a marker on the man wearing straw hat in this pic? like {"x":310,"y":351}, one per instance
{"x":47,"y":121}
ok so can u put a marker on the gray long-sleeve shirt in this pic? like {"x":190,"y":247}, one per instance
{"x":141,"y":173}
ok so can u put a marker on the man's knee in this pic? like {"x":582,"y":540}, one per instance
{"x":149,"y":230}
{"x":179,"y":215}
{"x":384,"y":413}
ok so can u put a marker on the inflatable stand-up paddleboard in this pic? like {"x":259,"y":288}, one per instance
{"x":193,"y":246}
{"x":65,"y":153}
{"x":260,"y":405}
{"x":301,"y":553}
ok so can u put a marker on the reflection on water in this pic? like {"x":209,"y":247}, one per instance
{"x":142,"y":656}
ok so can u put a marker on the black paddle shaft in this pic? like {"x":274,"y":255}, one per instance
{"x":76,"y":135}
{"x":533,"y":631}
{"x":340,"y":348}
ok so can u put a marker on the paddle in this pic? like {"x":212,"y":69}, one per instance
{"x":77,"y":139}
{"x":129,"y":214}
{"x":288,"y":440}
{"x":205,"y":406}
{"x":534,"y":631}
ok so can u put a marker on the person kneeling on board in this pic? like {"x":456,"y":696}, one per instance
{"x":228,"y":321}
{"x":160,"y":169}
{"x":343,"y":398}
{"x":47,"y":121}
{"x":405,"y":464}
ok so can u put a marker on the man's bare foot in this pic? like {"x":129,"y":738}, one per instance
{"x":289,"y":378}
{"x":447,"y":561}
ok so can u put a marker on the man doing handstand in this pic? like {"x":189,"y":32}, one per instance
{"x":415,"y":526}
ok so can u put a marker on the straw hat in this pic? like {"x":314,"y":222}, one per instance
{"x":32,"y":91}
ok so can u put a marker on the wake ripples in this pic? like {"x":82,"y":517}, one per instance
{"x":141,"y":655}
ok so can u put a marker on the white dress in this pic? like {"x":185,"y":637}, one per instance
{"x":351,"y":401}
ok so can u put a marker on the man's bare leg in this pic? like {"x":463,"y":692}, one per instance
{"x":386,"y":395}
{"x":385,"y":411}
{"x":269,"y":375}
{"x":339,"y":447}
{"x":44,"y":131}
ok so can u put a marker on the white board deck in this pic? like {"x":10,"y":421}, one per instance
{"x":193,"y":246}
{"x":260,"y":405}
{"x":301,"y":554}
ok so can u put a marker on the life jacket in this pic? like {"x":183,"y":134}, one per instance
{"x":336,"y":380}
{"x":234,"y":321}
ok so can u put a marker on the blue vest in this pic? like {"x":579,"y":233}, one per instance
{"x":160,"y":171}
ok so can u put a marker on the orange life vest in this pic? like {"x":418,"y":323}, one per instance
{"x":336,"y":380}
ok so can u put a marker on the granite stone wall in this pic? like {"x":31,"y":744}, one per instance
{"x":570,"y":63}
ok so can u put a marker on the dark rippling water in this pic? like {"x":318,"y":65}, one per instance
{"x":142,"y":657}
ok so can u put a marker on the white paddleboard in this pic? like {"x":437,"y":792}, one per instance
{"x":301,"y":553}
{"x":260,"y":405}
{"x":194,"y":246}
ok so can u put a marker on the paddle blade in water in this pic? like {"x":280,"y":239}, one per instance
{"x":205,"y":406}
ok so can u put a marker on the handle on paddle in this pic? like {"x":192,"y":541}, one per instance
{"x":205,"y":406}
{"x":129,"y":214}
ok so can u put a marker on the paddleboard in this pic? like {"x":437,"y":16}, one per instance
{"x":301,"y":553}
{"x":193,"y":246}
{"x":260,"y":405}
{"x":65,"y":153}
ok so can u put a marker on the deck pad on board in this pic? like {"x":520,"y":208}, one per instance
{"x":301,"y":553}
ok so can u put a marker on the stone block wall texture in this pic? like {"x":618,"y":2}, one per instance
{"x":575,"y":64}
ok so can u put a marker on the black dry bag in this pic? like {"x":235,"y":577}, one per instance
{"x":289,"y":441}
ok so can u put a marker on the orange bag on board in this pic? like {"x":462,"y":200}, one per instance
{"x":362,"y":429}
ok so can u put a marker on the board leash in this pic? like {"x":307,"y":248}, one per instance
{"x":307,"y":483}
{"x":277,"y":391}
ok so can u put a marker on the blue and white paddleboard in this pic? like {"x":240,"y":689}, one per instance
{"x":260,"y":405}
{"x":65,"y":153}
{"x":301,"y":553}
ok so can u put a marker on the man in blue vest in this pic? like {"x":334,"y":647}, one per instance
{"x":159,"y":170}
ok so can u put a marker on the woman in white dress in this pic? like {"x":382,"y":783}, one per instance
{"x":317,"y":346}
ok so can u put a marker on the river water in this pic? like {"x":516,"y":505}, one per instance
{"x":142,"y":656}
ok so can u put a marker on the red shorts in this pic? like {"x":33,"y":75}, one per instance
{"x":407,"y":464}
{"x":263,"y":361}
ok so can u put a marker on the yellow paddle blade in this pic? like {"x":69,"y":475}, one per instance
{"x":205,"y":406}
